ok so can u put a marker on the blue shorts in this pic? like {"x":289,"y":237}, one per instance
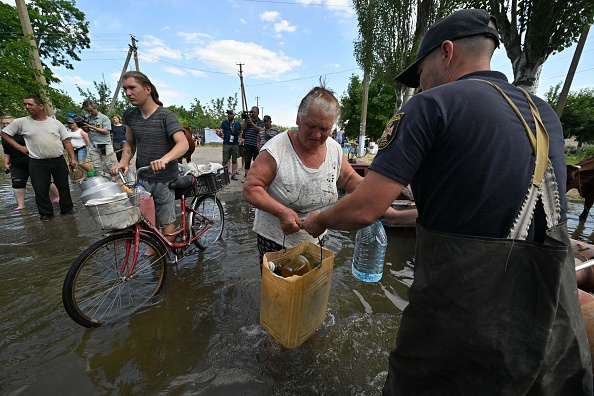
{"x":164,"y":199}
{"x":81,"y":154}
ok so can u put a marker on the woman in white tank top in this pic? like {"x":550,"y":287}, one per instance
{"x":297,"y":172}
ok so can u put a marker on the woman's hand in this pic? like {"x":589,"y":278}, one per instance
{"x":290,"y":222}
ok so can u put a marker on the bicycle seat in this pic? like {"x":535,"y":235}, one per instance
{"x":182,"y":182}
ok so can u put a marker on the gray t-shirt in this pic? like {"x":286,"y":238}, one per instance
{"x":154,"y":139}
{"x":42,"y":138}
{"x":101,"y":121}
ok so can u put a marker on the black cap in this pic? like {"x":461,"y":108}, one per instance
{"x":267,"y":118}
{"x":462,"y":23}
{"x":230,"y":112}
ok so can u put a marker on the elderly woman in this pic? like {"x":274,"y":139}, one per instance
{"x":297,"y":172}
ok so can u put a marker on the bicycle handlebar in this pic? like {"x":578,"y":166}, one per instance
{"x":129,"y":184}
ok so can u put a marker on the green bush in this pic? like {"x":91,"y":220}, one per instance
{"x":586,"y":151}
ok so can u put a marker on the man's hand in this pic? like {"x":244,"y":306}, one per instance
{"x":158,"y":165}
{"x":114,"y":169}
{"x":23,"y":149}
{"x":73,"y":162}
{"x":311,"y":225}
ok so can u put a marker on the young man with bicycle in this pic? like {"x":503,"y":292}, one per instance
{"x":157,"y":137}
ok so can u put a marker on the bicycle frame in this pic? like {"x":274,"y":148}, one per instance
{"x":183,"y":231}
{"x":149,"y":228}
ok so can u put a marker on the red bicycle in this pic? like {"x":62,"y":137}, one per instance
{"x":123,"y":271}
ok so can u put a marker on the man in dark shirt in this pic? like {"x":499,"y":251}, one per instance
{"x":250,"y":127}
{"x":230,"y":131}
{"x":493,"y":308}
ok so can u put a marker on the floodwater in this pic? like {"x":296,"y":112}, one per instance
{"x":202,"y":336}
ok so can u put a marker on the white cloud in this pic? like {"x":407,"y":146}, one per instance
{"x":174,"y":70}
{"x":284,"y":26}
{"x":152,"y":49}
{"x":170,"y":96}
{"x":341,"y":7}
{"x":197,"y":73}
{"x":259,"y":62}
{"x":75,"y":80}
{"x":115,"y":77}
{"x":194,"y":37}
{"x":270,"y":16}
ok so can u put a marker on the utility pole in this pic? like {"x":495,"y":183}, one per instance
{"x":571,"y":72}
{"x":36,"y":62}
{"x":135,"y":53}
{"x":132,"y":49}
{"x":258,"y":102}
{"x":366,"y":69}
{"x":243,"y":100}
{"x":363,"y":114}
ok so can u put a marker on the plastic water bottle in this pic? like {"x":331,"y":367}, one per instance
{"x":370,"y":251}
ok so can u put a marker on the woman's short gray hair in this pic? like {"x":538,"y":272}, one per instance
{"x":321,"y":97}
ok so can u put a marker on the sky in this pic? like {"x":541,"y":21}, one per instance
{"x":191,"y":49}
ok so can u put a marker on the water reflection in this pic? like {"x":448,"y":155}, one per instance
{"x":202,"y":335}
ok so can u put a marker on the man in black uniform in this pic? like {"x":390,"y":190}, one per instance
{"x":493,"y":309}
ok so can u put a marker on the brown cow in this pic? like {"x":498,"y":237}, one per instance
{"x":581,"y":176}
{"x":191,"y":146}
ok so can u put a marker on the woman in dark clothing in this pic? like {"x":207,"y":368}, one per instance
{"x":119,"y":135}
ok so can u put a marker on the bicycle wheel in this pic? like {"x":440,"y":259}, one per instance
{"x":96,"y":291}
{"x":208,"y":222}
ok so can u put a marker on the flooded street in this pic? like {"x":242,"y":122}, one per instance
{"x":202,"y":335}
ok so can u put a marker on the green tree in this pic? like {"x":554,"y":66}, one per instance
{"x":390,"y":32}
{"x":380,"y":107}
{"x":532,"y":30}
{"x":578,"y":114}
{"x":209,"y":116}
{"x":16,"y":78}
{"x":102,"y":97}
{"x":60,"y":31}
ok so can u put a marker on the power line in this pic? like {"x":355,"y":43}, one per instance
{"x":304,"y":78}
{"x":300,"y":4}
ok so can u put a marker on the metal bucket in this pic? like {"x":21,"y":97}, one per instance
{"x":93,"y":181}
{"x":102,"y":190}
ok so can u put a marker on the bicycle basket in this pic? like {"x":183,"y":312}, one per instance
{"x":206,"y":183}
{"x":114,"y":213}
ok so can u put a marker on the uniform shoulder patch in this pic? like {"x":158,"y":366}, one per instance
{"x":390,"y":131}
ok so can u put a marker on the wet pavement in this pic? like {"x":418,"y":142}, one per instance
{"x":202,"y":334}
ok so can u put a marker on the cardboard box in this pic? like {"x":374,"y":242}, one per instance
{"x":292,"y":309}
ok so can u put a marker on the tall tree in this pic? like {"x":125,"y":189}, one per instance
{"x":389,"y":37}
{"x":578,"y":115}
{"x":102,"y":97}
{"x":532,"y":30}
{"x":60,"y":31}
{"x":380,"y":106}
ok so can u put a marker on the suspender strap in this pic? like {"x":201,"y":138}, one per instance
{"x":544,"y":183}
{"x":540,"y":142}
